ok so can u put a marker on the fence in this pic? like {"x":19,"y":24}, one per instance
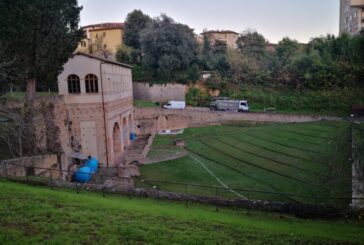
{"x":358,"y":165}
{"x":219,"y":196}
{"x":64,"y":178}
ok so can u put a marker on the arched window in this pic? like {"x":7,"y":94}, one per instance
{"x":91,"y":84}
{"x":73,"y":84}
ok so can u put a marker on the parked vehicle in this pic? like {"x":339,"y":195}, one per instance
{"x":230,"y":105}
{"x":177,"y":105}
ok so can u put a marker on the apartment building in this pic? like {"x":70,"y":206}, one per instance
{"x":351,"y":16}
{"x":230,"y":37}
{"x":102,"y":39}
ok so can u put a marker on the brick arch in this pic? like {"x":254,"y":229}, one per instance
{"x":116,"y":136}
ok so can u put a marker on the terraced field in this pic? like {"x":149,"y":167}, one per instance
{"x":306,"y":162}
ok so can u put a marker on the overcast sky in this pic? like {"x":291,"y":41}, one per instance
{"x":275,"y":19}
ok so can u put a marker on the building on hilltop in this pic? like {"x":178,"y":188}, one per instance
{"x":230,"y":37}
{"x":102,"y":40}
{"x":98,"y":99}
{"x":271,"y":47}
{"x":351,"y":16}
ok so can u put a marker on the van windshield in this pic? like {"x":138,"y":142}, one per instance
{"x":243,"y":103}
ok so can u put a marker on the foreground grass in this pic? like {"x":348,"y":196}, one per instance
{"x":32,"y":215}
{"x":308,"y":161}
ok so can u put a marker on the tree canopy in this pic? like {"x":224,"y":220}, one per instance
{"x":168,"y":48}
{"x":252,"y":44}
{"x":135,"y":22}
{"x":39,"y":37}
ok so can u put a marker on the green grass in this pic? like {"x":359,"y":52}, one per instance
{"x":327,"y":102}
{"x":21,"y":95}
{"x":34,"y":215}
{"x":309,"y":161}
{"x":147,"y":104}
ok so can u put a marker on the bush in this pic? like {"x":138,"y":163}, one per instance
{"x":196,"y":97}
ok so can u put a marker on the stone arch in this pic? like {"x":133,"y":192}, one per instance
{"x":162,"y":123}
{"x":116,"y":135}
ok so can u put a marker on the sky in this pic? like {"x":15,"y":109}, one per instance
{"x":275,"y":19}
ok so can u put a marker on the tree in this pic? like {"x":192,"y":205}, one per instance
{"x":168,"y":47}
{"x":287,"y":49}
{"x":252,"y":44}
{"x":40,"y":36}
{"x":135,"y":22}
{"x":219,"y":48}
{"x":100,"y":49}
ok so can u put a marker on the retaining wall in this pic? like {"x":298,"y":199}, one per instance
{"x":44,"y":165}
{"x":159,"y":92}
{"x":151,"y":120}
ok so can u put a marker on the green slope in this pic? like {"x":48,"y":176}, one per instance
{"x":33,"y":215}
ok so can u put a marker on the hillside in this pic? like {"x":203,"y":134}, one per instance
{"x":31,"y":215}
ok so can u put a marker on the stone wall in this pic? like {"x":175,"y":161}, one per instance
{"x":43,"y":124}
{"x":44,"y":165}
{"x":159,"y":92}
{"x":151,"y":120}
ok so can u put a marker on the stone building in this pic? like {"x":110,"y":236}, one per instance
{"x":230,"y":37}
{"x":351,"y":16}
{"x":98,"y":99}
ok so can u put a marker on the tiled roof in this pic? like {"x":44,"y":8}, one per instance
{"x":104,"y":60}
{"x":110,"y":25}
{"x":220,"y":32}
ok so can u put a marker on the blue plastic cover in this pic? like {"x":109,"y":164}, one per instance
{"x":83,"y":175}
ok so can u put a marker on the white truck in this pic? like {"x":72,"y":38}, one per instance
{"x":230,"y":105}
{"x":177,"y":105}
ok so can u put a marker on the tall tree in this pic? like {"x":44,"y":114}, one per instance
{"x":252,"y":44}
{"x":135,"y":22}
{"x":220,"y":47}
{"x":40,"y":36}
{"x":168,"y":47}
{"x":287,"y":49}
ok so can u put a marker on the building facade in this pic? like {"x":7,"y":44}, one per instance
{"x":230,"y":37}
{"x":351,"y":16}
{"x":102,"y":40}
{"x":98,"y":99}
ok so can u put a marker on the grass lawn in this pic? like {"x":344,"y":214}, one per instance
{"x":33,"y":215}
{"x":309,"y":161}
{"x":141,"y":103}
{"x":326,"y":102}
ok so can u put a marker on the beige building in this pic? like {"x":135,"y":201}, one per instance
{"x":230,"y":37}
{"x":98,"y":99}
{"x":102,"y":39}
{"x":351,"y":16}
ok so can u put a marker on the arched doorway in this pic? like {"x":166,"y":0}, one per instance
{"x":125,"y":133}
{"x":116,"y":135}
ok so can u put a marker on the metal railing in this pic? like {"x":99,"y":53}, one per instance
{"x":114,"y":183}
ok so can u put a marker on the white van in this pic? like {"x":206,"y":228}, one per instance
{"x":178,"y":105}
